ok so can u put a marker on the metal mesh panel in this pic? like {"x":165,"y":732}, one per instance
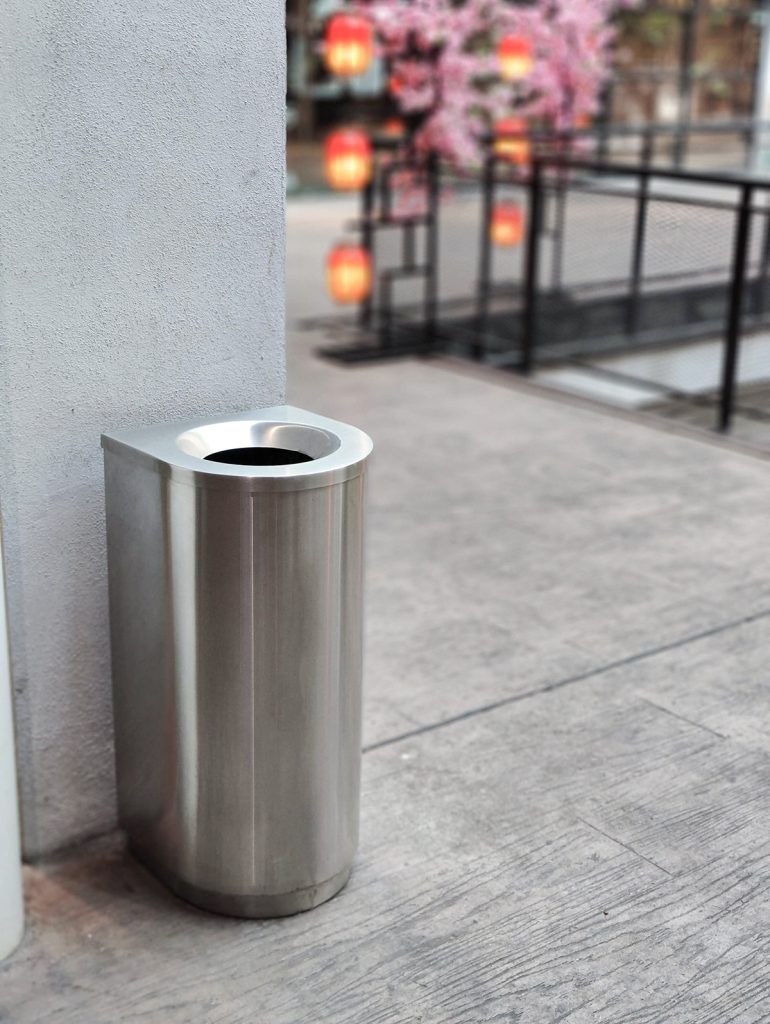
{"x":658,"y":282}
{"x":638,"y":313}
{"x":598,"y":232}
{"x":685,"y":291}
{"x":687,"y":241}
{"x":459,"y":236}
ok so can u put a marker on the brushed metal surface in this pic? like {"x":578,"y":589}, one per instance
{"x":245,"y":905}
{"x":236,"y":621}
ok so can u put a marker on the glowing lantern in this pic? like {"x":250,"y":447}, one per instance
{"x":395,"y":85}
{"x":514,"y":54}
{"x":348,"y":45}
{"x":394,"y":127}
{"x":349,"y":274}
{"x":348,"y":160}
{"x":511,"y":143}
{"x":507,"y":227}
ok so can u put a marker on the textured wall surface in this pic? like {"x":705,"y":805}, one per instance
{"x":141,"y":279}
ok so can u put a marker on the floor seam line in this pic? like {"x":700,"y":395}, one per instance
{"x":684,"y":718}
{"x":625,"y":846}
{"x":559,"y":684}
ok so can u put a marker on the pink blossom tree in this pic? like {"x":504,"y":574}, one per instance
{"x":443,"y":59}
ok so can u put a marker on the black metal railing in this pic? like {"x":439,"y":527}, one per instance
{"x":689,"y":258}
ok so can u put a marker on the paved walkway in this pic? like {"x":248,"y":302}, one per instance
{"x":566,"y":790}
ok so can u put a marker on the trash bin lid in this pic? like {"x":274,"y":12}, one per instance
{"x":281,"y":448}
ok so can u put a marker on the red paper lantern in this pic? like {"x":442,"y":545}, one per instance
{"x":348,"y":45}
{"x":507,"y":227}
{"x":395,"y":85}
{"x":349,"y":274}
{"x":348,"y":160}
{"x":394,"y":127}
{"x":514,"y":54}
{"x":512,"y":143}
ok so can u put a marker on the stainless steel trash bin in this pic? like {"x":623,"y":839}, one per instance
{"x":235,"y":551}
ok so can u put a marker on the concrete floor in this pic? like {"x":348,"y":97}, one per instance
{"x":566,"y":789}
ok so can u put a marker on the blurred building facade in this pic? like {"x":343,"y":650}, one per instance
{"x":686,"y":62}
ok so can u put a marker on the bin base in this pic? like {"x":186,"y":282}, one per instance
{"x":251,"y":906}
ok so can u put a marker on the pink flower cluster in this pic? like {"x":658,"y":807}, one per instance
{"x":444,"y":66}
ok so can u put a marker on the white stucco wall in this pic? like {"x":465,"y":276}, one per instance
{"x":141,"y":279}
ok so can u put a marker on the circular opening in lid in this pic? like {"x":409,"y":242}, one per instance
{"x":258,"y":443}
{"x":259,"y":457}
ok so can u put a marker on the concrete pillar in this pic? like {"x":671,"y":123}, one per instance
{"x":141,"y":280}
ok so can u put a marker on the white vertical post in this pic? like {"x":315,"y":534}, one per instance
{"x":11,"y":904}
{"x":760,"y":158}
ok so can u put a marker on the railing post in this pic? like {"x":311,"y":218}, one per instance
{"x":483,"y":288}
{"x":367,"y":239}
{"x":749,"y":144}
{"x":647,"y":146}
{"x":735,"y":307}
{"x":605,"y":122}
{"x":384,"y":281}
{"x":385,"y":287}
{"x":764,"y":267}
{"x":689,"y":17}
{"x":560,"y":218}
{"x":640,"y":232}
{"x":431,"y":252}
{"x":529,"y":312}
{"x":408,"y":245}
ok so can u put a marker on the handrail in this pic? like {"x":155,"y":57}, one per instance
{"x":643,"y":128}
{"x":725,"y":178}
